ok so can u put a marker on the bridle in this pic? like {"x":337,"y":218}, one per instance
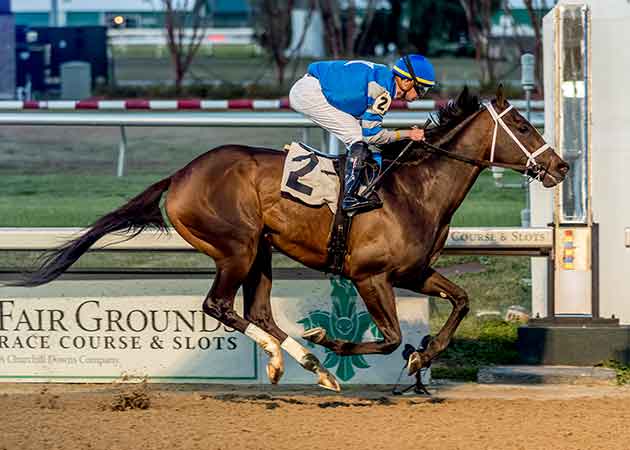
{"x":532,"y":168}
{"x":532,"y":165}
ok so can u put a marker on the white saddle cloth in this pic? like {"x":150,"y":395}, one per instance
{"x":309,"y":178}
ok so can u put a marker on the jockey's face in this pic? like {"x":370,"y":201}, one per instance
{"x":405,"y":90}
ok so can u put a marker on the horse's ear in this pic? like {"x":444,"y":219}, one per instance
{"x":463,"y":96}
{"x":500,"y":96}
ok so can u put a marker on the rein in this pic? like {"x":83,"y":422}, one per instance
{"x":475,"y":162}
{"x":534,"y":171}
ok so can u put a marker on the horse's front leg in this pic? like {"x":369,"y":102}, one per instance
{"x":378,"y":295}
{"x":436,"y":285}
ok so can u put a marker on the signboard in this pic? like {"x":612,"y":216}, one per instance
{"x":500,"y":237}
{"x":125,"y":330}
{"x":573,"y":271}
{"x":92,"y":338}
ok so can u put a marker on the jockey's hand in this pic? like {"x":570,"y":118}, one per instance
{"x":416,"y":134}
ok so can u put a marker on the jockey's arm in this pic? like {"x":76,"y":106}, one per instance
{"x":378,"y":102}
{"x":374,"y":133}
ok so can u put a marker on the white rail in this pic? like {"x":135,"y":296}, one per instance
{"x":474,"y":240}
{"x":157,"y":36}
{"x":266,"y":119}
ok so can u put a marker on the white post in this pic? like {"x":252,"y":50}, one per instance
{"x":53,"y":19}
{"x":122,"y":149}
{"x":528,"y":81}
{"x":333,"y":144}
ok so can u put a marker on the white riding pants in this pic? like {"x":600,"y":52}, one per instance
{"x":306,"y":97}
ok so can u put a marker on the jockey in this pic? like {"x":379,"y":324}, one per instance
{"x":350,"y":98}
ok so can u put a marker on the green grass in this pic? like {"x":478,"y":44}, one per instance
{"x":623,"y":371}
{"x":476,"y":344}
{"x":480,"y":342}
{"x":486,"y":205}
{"x":78,"y":199}
{"x":64,"y":201}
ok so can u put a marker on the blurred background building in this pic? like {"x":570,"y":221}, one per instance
{"x":122,"y":13}
{"x":7,"y":51}
{"x":257,"y":42}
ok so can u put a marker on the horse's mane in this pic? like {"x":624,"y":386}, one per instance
{"x":452,"y":114}
{"x":445,"y":120}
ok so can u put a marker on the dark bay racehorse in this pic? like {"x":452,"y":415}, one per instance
{"x":227,"y":204}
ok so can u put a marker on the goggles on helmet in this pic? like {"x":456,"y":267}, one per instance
{"x":421,"y":89}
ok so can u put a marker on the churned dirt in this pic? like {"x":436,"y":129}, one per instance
{"x":457,"y":416}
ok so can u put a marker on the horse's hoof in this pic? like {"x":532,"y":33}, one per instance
{"x":275,"y":366}
{"x":274,"y":372}
{"x":315,"y":335}
{"x":414,"y":363}
{"x":328,"y":381}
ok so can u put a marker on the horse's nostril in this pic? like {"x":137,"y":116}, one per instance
{"x":563,"y":168}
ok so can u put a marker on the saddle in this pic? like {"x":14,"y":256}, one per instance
{"x":342,"y":221}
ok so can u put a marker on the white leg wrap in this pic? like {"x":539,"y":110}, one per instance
{"x":293,"y":348}
{"x":266,"y":341}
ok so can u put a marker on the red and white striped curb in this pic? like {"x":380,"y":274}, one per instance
{"x":173,"y":105}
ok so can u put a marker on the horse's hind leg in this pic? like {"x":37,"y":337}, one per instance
{"x":219,"y":303}
{"x":233,"y":261}
{"x":257,"y":306}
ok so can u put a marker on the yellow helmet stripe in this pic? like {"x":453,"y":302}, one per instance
{"x":408,"y":75}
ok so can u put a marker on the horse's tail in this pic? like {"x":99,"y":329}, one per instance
{"x":138,"y":214}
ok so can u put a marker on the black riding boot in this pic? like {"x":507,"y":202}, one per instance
{"x":355,"y":164}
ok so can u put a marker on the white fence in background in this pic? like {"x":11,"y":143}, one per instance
{"x":394,"y":119}
{"x":471,"y":241}
{"x":157,"y":36}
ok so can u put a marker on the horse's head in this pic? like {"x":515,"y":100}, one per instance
{"x":515,"y":141}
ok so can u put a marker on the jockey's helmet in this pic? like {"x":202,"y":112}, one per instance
{"x":418,"y":69}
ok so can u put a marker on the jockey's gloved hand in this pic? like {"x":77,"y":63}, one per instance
{"x":416,"y":134}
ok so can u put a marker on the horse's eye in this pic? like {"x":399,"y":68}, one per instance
{"x":523,"y":128}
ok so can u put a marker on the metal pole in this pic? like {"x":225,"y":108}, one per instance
{"x":122,"y":149}
{"x":324,"y":139}
{"x":53,"y":20}
{"x":526,"y":214}
{"x":333,"y":144}
{"x":528,"y":100}
{"x":586,"y":182}
{"x":595,"y":271}
{"x":528,"y":81}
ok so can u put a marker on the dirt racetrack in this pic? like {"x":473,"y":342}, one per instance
{"x":458,"y":416}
